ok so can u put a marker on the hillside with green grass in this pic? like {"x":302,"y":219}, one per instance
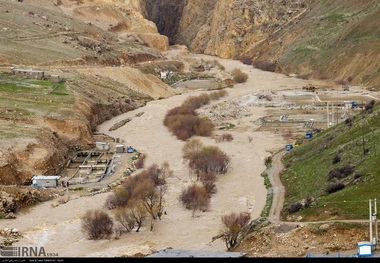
{"x":336,"y":40}
{"x":334,"y":174}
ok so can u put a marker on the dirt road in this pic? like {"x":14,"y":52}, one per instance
{"x":277,"y":187}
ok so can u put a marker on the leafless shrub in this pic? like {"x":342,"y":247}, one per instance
{"x":246,"y":61}
{"x":195,"y":197}
{"x":341,"y":82}
{"x":132,"y":216}
{"x":265,"y":65}
{"x":97,"y":224}
{"x":234,"y":226}
{"x":118,"y":198}
{"x":140,"y":161}
{"x":208,"y":181}
{"x":238,"y":76}
{"x":250,"y":138}
{"x":227,"y":137}
{"x":158,"y":174}
{"x":191,"y":148}
{"x":204,"y":127}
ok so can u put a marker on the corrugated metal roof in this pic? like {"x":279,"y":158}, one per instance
{"x":181,"y":253}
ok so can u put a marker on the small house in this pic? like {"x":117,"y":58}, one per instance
{"x":45,"y":180}
{"x":27,"y":73}
{"x":164,"y":74}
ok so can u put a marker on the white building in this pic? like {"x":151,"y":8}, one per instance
{"x":45,"y":180}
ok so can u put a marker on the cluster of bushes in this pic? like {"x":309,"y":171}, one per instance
{"x":260,"y":64}
{"x":135,"y":200}
{"x":341,"y":172}
{"x":184,"y":122}
{"x":265,"y":65}
{"x":206,"y":162}
{"x":334,"y":187}
{"x":369,"y":106}
{"x":296,"y":206}
{"x":344,"y":81}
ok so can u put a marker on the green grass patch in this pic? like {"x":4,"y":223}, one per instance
{"x":308,"y":166}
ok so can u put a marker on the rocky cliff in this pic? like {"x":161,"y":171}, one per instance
{"x":338,"y":40}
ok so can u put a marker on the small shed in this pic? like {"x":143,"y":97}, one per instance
{"x":164,"y":74}
{"x":364,"y":249}
{"x":119,"y":148}
{"x":45,"y":180}
{"x":55,"y":78}
{"x":102,"y":146}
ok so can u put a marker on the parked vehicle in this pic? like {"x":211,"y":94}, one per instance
{"x":310,"y":87}
{"x":288,"y":147}
{"x":354,"y":104}
{"x":308,"y":135}
{"x":130,"y":149}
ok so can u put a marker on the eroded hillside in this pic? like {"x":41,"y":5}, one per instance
{"x":338,"y":40}
{"x":41,"y":121}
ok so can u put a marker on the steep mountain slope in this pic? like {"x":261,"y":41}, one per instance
{"x":338,"y":40}
{"x":42,"y":121}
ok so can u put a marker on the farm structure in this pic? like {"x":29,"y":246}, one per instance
{"x":27,"y":73}
{"x":45,"y":180}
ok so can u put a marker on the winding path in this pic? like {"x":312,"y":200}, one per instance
{"x":274,"y":174}
{"x":278,"y":189}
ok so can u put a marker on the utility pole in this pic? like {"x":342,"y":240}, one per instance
{"x":373,"y":223}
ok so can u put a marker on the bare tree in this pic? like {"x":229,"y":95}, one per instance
{"x":123,"y":216}
{"x":234,"y":226}
{"x":137,"y":212}
{"x":146,"y":192}
{"x":159,"y":174}
{"x":195,"y":197}
{"x":118,"y":198}
{"x":97,"y":224}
